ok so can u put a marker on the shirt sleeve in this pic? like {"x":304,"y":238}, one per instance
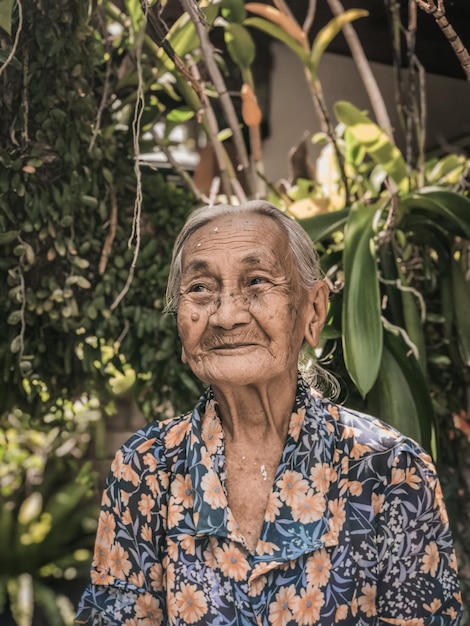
{"x":418,"y":582}
{"x":126,"y":574}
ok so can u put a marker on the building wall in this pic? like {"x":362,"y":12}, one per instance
{"x":292,"y":112}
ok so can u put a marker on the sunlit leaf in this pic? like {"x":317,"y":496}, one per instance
{"x":328,"y":33}
{"x":375,"y":142}
{"x":278,"y":33}
{"x":450,"y":209}
{"x":6,"y":10}
{"x":362,"y":326}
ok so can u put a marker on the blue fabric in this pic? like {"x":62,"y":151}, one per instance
{"x":355,"y":531}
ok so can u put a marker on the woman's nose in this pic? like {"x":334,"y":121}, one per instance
{"x":230,"y":309}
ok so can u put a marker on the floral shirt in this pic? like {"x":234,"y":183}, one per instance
{"x":355,"y":531}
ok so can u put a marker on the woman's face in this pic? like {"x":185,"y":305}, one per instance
{"x":242,"y":314}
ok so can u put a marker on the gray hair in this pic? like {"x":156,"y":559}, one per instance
{"x":303,"y":253}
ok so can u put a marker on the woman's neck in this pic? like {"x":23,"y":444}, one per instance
{"x":259,"y":412}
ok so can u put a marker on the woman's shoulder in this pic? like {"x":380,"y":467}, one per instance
{"x":362,"y":434}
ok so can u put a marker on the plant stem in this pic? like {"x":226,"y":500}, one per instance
{"x":364,"y":69}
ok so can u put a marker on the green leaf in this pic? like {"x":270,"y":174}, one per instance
{"x":6,"y":10}
{"x":401,"y":396}
{"x":9,"y":235}
{"x":375,"y":142}
{"x":233,"y":10}
{"x":4,"y":56}
{"x":326,"y":35}
{"x":461,"y":298}
{"x":451,"y":210}
{"x":361,"y":316}
{"x":240,"y":45}
{"x":280,"y":34}
{"x":323,"y":225}
{"x":179,"y":116}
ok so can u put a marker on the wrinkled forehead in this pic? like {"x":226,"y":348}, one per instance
{"x":233,"y":235}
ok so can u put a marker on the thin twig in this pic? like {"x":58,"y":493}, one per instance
{"x":365,"y":72}
{"x":213,"y":130}
{"x":136,"y":124}
{"x":438,"y":13}
{"x":310,"y":16}
{"x":108,"y":243}
{"x":207,"y":49}
{"x":184,"y":175}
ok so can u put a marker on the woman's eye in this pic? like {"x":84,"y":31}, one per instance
{"x":257,"y":280}
{"x":199,"y":288}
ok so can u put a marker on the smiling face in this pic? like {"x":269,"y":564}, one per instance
{"x":242,"y":314}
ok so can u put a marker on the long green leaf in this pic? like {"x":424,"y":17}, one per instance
{"x":323,"y":225}
{"x":401,"y":396}
{"x":461,"y":298}
{"x":451,"y":209}
{"x":326,"y":35}
{"x":375,"y":142}
{"x":278,"y":33}
{"x":6,"y":10}
{"x":361,"y":316}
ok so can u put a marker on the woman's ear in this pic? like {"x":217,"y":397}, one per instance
{"x":316,"y":312}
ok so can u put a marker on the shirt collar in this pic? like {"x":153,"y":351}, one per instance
{"x":307,"y":455}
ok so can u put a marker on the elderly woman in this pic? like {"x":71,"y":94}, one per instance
{"x":267,"y":504}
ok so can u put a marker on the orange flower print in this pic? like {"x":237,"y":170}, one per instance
{"x":398,"y":476}
{"x":296,"y":423}
{"x":377,"y":502}
{"x":152,"y":483}
{"x":116,"y":464}
{"x":412,"y":479}
{"x":172,"y":549}
{"x":232,"y":562}
{"x":176,"y":434}
{"x":366,"y":601}
{"x":309,"y":508}
{"x":318,"y":568}
{"x":182,"y":490}
{"x":170,"y":576}
{"x":127,"y":517}
{"x":280,"y":610}
{"x":146,"y":533}
{"x":257,"y":586}
{"x":120,"y":565}
{"x":333,"y":411}
{"x":156,"y":576}
{"x":430,"y":559}
{"x":306,"y":607}
{"x":188,"y":544}
{"x":148,"y":611}
{"x":322,"y":475}
{"x":175,"y":514}
{"x":133,"y":621}
{"x":213,"y":492}
{"x":146,"y":445}
{"x":106,"y":529}
{"x":355,"y":487}
{"x":212,"y":434}
{"x":124,"y":495}
{"x":434,"y":606}
{"x":266,"y":547}
{"x":146,"y":506}
{"x":292,"y":486}
{"x":137,"y":579}
{"x":341,"y":612}
{"x":358,"y":450}
{"x":209,"y":556}
{"x":130,"y":475}
{"x":191,"y":603}
{"x":99,"y":578}
{"x":338,"y":515}
{"x":273,"y":507}
{"x":101,"y":557}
